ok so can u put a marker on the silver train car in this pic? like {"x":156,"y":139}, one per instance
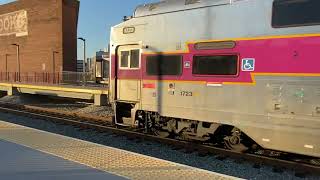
{"x":240,"y":73}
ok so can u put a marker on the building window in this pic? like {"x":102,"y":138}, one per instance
{"x":215,"y":65}
{"x":164,"y":65}
{"x":292,"y":13}
{"x":130,"y":59}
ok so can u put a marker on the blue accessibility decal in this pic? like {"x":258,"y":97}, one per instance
{"x":248,"y":64}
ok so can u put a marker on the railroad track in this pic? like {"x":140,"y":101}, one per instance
{"x":104,"y":124}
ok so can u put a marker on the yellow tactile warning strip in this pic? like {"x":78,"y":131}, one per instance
{"x":112,"y":160}
{"x":92,"y":90}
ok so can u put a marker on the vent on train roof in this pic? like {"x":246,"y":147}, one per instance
{"x":215,"y":45}
{"x":187,"y":2}
{"x":168,"y":6}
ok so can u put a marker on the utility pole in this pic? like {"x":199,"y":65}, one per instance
{"x":84,"y":59}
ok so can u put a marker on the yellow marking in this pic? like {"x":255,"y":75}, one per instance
{"x":254,"y":82}
{"x":239,"y":83}
{"x":236,"y":83}
{"x":181,"y":81}
{"x":56,"y":88}
{"x":288,"y":74}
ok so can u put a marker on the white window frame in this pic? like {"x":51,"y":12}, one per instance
{"x":129,"y":59}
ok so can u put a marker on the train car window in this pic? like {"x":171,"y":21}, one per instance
{"x":105,"y":69}
{"x":130,"y":59}
{"x":293,"y":13}
{"x":124,"y":61}
{"x":134,"y":58}
{"x":215,"y":65}
{"x":164,"y":65}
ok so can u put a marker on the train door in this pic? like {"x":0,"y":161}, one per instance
{"x":128,"y":73}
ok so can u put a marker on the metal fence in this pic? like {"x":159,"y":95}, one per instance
{"x":61,"y":78}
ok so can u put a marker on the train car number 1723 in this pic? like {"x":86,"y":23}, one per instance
{"x":186,"y":93}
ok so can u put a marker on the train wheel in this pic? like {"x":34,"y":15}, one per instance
{"x":233,"y":142}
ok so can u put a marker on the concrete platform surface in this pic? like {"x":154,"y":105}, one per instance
{"x":27,"y":153}
{"x":22,"y":163}
{"x":57,"y":87}
{"x":98,"y":94}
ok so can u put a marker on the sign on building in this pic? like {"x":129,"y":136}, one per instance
{"x":14,"y":23}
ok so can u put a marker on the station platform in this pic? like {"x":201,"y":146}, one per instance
{"x":98,"y":94}
{"x":27,"y":153}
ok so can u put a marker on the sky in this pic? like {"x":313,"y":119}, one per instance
{"x":96,"y":17}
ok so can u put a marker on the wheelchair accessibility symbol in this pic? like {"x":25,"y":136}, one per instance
{"x":248,"y":64}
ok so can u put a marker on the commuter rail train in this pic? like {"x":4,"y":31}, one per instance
{"x":240,"y":73}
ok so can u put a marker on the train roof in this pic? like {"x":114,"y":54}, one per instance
{"x":167,"y":6}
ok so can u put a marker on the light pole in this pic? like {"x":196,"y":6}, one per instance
{"x":84,"y":58}
{"x":18,"y":60}
{"x":54,"y":65}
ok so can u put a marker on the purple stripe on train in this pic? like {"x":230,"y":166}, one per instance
{"x":282,"y":55}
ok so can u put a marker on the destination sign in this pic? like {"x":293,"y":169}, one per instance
{"x":14,"y":23}
{"x":129,"y":30}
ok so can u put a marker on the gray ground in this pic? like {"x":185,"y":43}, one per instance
{"x":75,"y":106}
{"x":22,"y":163}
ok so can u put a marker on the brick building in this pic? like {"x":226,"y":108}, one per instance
{"x":46,"y":32}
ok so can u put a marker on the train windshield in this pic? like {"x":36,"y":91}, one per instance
{"x":293,"y":13}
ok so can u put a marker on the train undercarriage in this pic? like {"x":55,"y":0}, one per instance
{"x":214,"y":134}
{"x":222,"y":135}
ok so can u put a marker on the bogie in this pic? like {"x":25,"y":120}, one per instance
{"x":189,"y":130}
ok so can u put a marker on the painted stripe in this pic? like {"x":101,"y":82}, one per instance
{"x":234,"y":39}
{"x":149,"y":85}
{"x":236,"y":83}
{"x":272,"y":74}
{"x":266,"y":140}
{"x":308,"y":146}
{"x":214,"y":84}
